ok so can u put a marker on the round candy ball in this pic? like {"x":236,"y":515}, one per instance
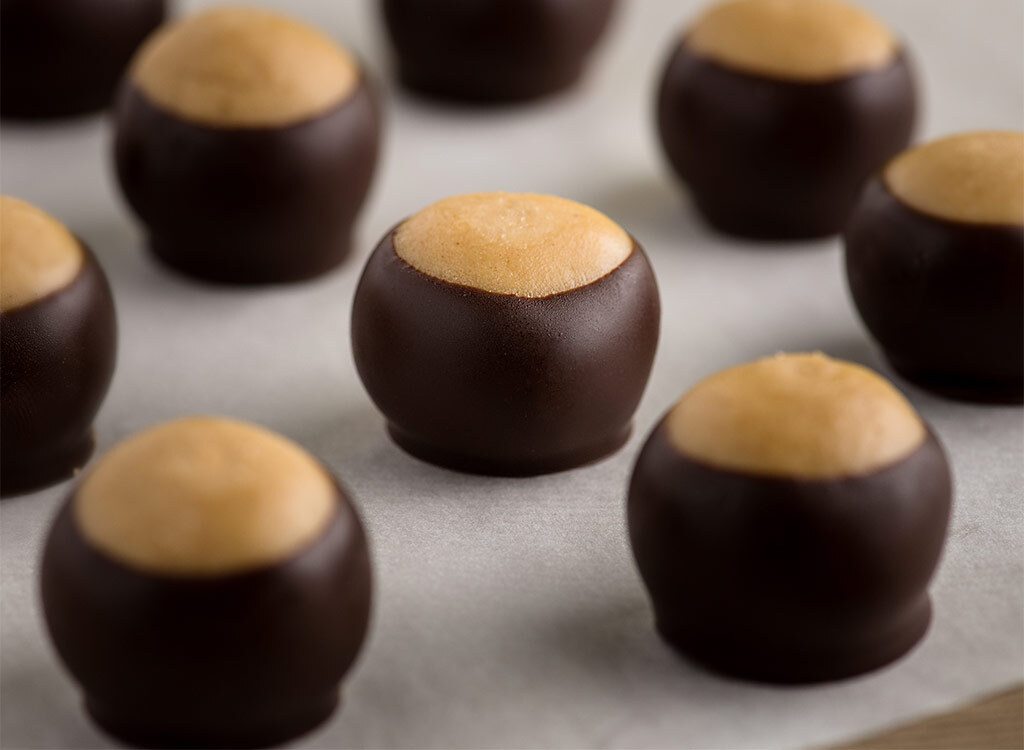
{"x":935,"y":264}
{"x":774,"y":113}
{"x":246,"y":142}
{"x":61,"y":58}
{"x":58,"y":345}
{"x":493,"y":50}
{"x":506,"y":333}
{"x":786,"y":516}
{"x":208,"y":585}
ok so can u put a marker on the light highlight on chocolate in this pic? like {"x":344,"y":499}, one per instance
{"x":799,"y":39}
{"x":801,"y":416}
{"x":204,"y":496}
{"x":38,"y":255}
{"x":244,"y":67}
{"x":513,"y":243}
{"x":976,"y":178}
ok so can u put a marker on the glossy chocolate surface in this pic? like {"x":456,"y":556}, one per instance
{"x":498,"y":384}
{"x":244,"y":660}
{"x":495,"y":50}
{"x":61,"y":58}
{"x":768,"y":158}
{"x":247,"y":205}
{"x":785,"y":580}
{"x":57,"y":358}
{"x":944,"y":299}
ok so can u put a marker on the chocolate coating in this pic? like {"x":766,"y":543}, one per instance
{"x":247,"y":205}
{"x":786,"y":580}
{"x":944,"y":299}
{"x":57,"y":358}
{"x":242,"y":660}
{"x":769,"y":158}
{"x":61,"y":58}
{"x":496,"y":50}
{"x":499,"y":384}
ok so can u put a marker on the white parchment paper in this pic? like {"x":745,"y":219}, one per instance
{"x":508,"y":611}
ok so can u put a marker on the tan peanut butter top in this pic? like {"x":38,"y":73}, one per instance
{"x":977,"y":178}
{"x":243,"y":67}
{"x":512,"y":243}
{"x":38,"y":255}
{"x":803,"y":40}
{"x":204,"y":496}
{"x":803,"y":416}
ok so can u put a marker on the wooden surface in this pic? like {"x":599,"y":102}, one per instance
{"x":996,"y":723}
